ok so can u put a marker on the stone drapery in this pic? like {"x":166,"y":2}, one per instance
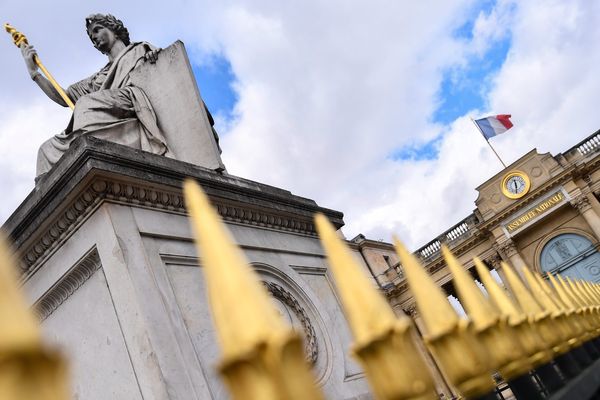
{"x":108,"y":107}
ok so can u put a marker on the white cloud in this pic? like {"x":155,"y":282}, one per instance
{"x":329,"y":89}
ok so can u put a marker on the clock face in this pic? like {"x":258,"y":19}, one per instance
{"x":515,"y":184}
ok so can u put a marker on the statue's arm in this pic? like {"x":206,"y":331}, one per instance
{"x":29,"y":54}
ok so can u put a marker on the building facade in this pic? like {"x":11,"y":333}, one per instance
{"x":541,"y":212}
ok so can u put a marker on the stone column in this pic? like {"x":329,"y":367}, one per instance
{"x":583,"y":205}
{"x":509,"y":249}
{"x":441,"y":383}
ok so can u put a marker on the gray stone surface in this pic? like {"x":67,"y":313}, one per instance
{"x":142,"y":302}
{"x":171,"y":87}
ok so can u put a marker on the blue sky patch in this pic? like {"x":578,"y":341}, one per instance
{"x":465,"y":88}
{"x":465,"y":31}
{"x":422,"y":151}
{"x":215,"y":79}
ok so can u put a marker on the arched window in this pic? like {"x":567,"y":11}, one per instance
{"x":571,"y":255}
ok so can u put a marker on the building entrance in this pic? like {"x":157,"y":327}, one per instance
{"x":571,"y":255}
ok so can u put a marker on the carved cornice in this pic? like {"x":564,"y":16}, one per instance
{"x":148,"y":196}
{"x":311,"y":347}
{"x":67,"y":285}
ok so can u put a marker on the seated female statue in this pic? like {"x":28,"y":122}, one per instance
{"x":107,"y":106}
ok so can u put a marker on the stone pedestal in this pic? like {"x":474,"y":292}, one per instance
{"x":108,"y":261}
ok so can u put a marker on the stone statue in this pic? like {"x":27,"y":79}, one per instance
{"x":107,"y":104}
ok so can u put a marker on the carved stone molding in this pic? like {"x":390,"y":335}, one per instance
{"x":67,"y":285}
{"x":140,"y":195}
{"x":581,"y":203}
{"x":311,"y":347}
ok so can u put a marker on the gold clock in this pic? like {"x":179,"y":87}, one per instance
{"x":515,"y":184}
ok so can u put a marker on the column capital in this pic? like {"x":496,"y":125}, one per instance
{"x":581,"y":203}
{"x":494,"y":260}
{"x":412,"y":310}
{"x":507,"y":247}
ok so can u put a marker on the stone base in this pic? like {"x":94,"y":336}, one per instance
{"x":109,"y":262}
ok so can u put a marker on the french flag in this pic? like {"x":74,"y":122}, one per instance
{"x":494,"y":125}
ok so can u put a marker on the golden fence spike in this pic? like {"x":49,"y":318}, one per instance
{"x":569,"y":289}
{"x":539,"y":293}
{"x":595,"y":291}
{"x":593,"y":307}
{"x":262,"y":357}
{"x":383,"y":342}
{"x":28,"y":370}
{"x":575,"y":291}
{"x":550,"y":292}
{"x":438,"y":315}
{"x":585,"y":326}
{"x":586,"y":305}
{"x":584,"y":294}
{"x":565,"y":328}
{"x":570,"y":312}
{"x":507,"y":355}
{"x":481,"y":313}
{"x":498,"y":295}
{"x":590,"y":290}
{"x":538,"y":317}
{"x":522,"y":294}
{"x":534,"y":346}
{"x":562,"y":293}
{"x":449,"y":337}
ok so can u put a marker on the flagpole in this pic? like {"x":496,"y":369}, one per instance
{"x":487,"y":141}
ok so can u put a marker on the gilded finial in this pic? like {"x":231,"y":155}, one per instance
{"x":506,"y":353}
{"x":449,"y":337}
{"x":262,"y":357}
{"x":383,"y":342}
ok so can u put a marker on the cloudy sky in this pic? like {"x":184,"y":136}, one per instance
{"x":362,"y":106}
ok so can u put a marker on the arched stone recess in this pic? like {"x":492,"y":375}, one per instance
{"x":555,"y":233}
{"x":297,"y":306}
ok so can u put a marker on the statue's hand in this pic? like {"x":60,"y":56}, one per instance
{"x":29,"y":55}
{"x":152,"y":55}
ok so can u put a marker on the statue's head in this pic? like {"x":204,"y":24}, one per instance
{"x":110,"y":22}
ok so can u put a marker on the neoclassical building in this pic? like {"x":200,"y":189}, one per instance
{"x":541,"y":212}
